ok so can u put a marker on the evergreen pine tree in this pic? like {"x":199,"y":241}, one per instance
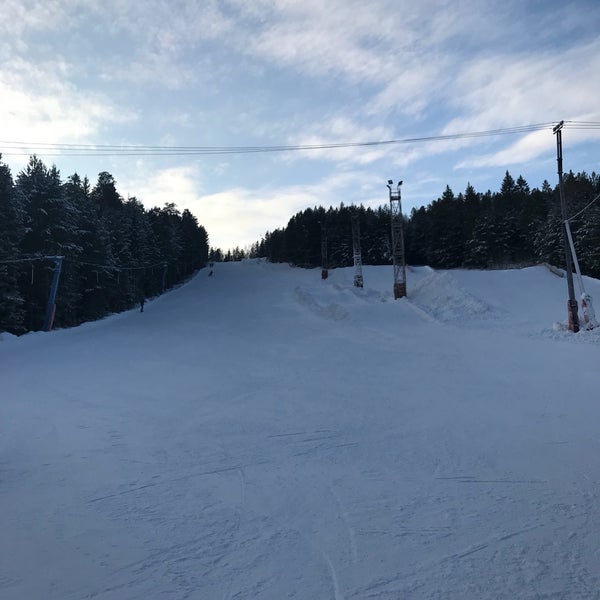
{"x":12,"y":311}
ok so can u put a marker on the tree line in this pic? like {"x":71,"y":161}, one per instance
{"x":512,"y":227}
{"x":115,"y":251}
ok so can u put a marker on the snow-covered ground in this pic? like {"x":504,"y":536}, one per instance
{"x":266,"y":434}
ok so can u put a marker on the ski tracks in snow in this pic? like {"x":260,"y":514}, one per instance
{"x":404,"y":584}
{"x":343,"y":512}
{"x":334,"y":580}
{"x":240,"y":515}
{"x":332,"y":310}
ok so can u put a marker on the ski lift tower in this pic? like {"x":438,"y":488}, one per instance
{"x":397,"y":240}
{"x":358,"y":277}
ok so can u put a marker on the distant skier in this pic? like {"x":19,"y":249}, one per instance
{"x":210,"y":273}
{"x":142,"y":302}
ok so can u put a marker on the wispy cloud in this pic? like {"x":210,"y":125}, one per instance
{"x":503,"y":88}
{"x":320,"y":39}
{"x":41,"y":106}
{"x":22,"y":17}
{"x":505,"y":91}
{"x":341,"y":129}
{"x":157,"y":187}
{"x":246,"y":215}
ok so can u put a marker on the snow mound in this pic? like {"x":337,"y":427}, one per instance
{"x":441,"y":296}
{"x":331,"y":311}
{"x":365,"y":294}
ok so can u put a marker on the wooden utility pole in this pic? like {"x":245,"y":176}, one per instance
{"x":572,"y":303}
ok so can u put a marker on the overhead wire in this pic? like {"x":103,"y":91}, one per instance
{"x":583,"y":124}
{"x":583,"y":209}
{"x":65,"y":149}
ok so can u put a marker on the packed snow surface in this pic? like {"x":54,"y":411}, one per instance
{"x":263,"y":433}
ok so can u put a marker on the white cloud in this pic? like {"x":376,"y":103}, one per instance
{"x":232,"y":217}
{"x":411,"y":88}
{"x":341,"y":129}
{"x":236,"y":216}
{"x":533,"y":88}
{"x":24,"y":16}
{"x":180,"y":185}
{"x":320,"y":39}
{"x":40,"y":106}
{"x":519,"y":152}
{"x":527,"y":149}
{"x":505,"y":91}
{"x":239,"y":217}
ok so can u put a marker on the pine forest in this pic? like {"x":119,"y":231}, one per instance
{"x":115,"y":252}
{"x":514,"y":227}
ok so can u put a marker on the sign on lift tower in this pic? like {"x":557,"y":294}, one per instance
{"x":397,"y":241}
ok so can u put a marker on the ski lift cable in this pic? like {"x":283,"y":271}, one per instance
{"x":116,"y":268}
{"x":28,"y":259}
{"x":79,"y":262}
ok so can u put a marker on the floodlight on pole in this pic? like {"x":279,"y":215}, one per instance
{"x":397,"y":240}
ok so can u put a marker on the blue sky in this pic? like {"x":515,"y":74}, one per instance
{"x":288,"y":72}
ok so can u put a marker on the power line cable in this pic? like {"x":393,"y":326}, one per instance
{"x":60,"y":149}
{"x":583,"y":123}
{"x":583,"y":209}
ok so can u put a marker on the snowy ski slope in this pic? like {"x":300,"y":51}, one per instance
{"x":265,"y":434}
